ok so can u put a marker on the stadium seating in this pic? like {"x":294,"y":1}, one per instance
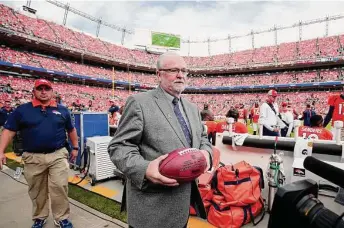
{"x":285,"y":52}
{"x":50,"y":63}
{"x":219,"y":103}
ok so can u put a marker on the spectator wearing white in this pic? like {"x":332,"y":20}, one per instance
{"x":268,"y":115}
{"x":285,"y":120}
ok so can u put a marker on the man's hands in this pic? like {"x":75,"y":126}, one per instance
{"x":206,"y":155}
{"x":2,"y":160}
{"x":73,"y":155}
{"x":153,"y":174}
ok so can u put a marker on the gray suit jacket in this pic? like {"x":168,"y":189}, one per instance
{"x":148,"y":129}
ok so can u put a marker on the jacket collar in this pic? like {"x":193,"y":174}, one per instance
{"x":36,"y":103}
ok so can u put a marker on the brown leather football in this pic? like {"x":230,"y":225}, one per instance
{"x":183,"y":164}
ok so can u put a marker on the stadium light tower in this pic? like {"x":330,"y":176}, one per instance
{"x":98,"y":26}
{"x":66,"y":14}
{"x":275,"y":33}
{"x":229,"y":44}
{"x":252,"y":34}
{"x":68,"y":8}
{"x":189,"y":47}
{"x":209,"y":46}
{"x":326,"y":26}
{"x":28,"y":3}
{"x":300,"y":30}
{"x":123,"y":35}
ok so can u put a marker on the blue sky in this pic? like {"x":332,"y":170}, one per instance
{"x":198,"y":20}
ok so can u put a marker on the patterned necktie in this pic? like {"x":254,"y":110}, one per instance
{"x":181,"y":120}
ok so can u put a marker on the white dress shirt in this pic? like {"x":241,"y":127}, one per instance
{"x":267,"y":116}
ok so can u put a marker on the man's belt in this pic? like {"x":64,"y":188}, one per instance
{"x":48,"y":151}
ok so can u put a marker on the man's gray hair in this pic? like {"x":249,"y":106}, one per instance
{"x":161,"y":58}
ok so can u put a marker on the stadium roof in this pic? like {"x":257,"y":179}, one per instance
{"x":199,"y":20}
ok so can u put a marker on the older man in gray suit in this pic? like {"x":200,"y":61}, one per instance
{"x":152,"y":125}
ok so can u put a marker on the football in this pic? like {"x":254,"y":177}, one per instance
{"x":183,"y":164}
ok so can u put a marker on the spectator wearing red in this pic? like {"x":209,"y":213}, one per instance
{"x":242,"y":114}
{"x":255,"y":117}
{"x":237,"y":127}
{"x":336,"y":110}
{"x":316,"y":130}
{"x":208,"y":120}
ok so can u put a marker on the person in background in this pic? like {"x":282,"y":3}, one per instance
{"x":237,"y":127}
{"x":242,"y":113}
{"x":268,"y":113}
{"x":316,"y":130}
{"x":5,"y":111}
{"x":113,"y":107}
{"x":59,"y":100}
{"x":153,"y":124}
{"x":286,"y":120}
{"x":255,"y":118}
{"x":43,"y":125}
{"x":90,"y":106}
{"x":307,"y":114}
{"x":336,"y":111}
{"x":208,"y":120}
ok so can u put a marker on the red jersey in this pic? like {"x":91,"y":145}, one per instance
{"x":315,"y":133}
{"x":211,"y":126}
{"x":221,"y":126}
{"x":338,"y":103}
{"x":255,"y":114}
{"x":242,"y":113}
{"x":239,"y":128}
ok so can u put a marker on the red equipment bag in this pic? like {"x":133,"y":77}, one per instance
{"x":204,"y":182}
{"x":237,"y":196}
{"x":207,"y":195}
{"x":206,"y":178}
{"x":224,"y":216}
{"x":239,"y":183}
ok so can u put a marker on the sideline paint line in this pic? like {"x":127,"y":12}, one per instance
{"x":104,"y":191}
{"x":75,"y":179}
{"x":195,"y":222}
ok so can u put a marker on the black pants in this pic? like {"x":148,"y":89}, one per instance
{"x":267,"y":132}
{"x":284,"y":132}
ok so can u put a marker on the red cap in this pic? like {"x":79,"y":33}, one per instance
{"x":40,"y":82}
{"x":284,"y":104}
{"x":272,"y":93}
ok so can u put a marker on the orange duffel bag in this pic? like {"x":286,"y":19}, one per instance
{"x":237,"y":196}
{"x":239,"y":183}
{"x":222,"y":215}
{"x":207,"y":195}
{"x":204,"y":182}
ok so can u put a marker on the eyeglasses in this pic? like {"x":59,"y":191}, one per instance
{"x":43,"y":88}
{"x":175,"y":71}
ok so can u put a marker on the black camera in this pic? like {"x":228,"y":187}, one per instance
{"x":296,"y":205}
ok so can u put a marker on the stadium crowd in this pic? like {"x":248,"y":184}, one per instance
{"x":285,"y":52}
{"x":18,"y":90}
{"x":52,"y":63}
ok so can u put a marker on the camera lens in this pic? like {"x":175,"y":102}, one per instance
{"x":316,"y":215}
